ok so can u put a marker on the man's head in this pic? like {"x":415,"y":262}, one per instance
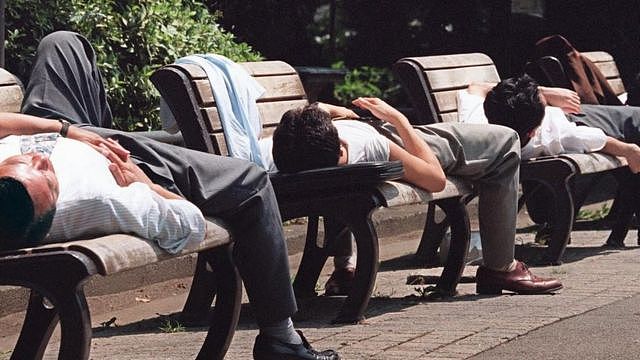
{"x":305,"y":139}
{"x":516,"y":103}
{"x":28,"y":194}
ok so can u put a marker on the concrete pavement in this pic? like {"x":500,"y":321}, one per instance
{"x":400,"y":325}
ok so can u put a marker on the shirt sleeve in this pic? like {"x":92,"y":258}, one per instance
{"x":173,"y":224}
{"x":582,"y":139}
{"x":377,"y":148}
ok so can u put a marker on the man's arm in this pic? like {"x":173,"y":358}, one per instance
{"x":22,"y":124}
{"x":421,"y":167}
{"x":338,"y":112}
{"x":567,"y":100}
{"x":631,"y":152}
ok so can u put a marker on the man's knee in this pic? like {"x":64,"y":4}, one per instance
{"x":56,"y":38}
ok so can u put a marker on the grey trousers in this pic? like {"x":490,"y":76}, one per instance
{"x":489,"y":157}
{"x":66,"y":84}
{"x":620,"y":122}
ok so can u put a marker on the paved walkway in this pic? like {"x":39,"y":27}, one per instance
{"x":402,"y":326}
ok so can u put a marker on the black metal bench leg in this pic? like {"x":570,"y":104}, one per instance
{"x":432,"y":236}
{"x":355,"y":304}
{"x":562,"y":224}
{"x":223,"y":322}
{"x":39,"y":323}
{"x":41,"y":274}
{"x":313,"y":260}
{"x":623,"y":207}
{"x":203,"y":290}
{"x":75,"y":325}
{"x":458,"y":217}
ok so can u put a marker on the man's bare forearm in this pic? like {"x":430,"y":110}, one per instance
{"x":21,"y":124}
{"x":629,"y":151}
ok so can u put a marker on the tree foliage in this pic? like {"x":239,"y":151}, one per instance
{"x":132,"y":38}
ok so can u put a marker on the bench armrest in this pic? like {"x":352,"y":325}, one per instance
{"x":337,"y":178}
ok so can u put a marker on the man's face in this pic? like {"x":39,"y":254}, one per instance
{"x":36,"y":173}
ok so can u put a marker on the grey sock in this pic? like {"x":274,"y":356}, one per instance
{"x":282,"y":330}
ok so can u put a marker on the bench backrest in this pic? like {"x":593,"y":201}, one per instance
{"x":284,"y":91}
{"x":431,"y":82}
{"x":10,"y":92}
{"x":604,"y":61}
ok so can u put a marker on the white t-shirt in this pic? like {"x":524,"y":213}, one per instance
{"x":92,"y":204}
{"x":555,"y":135}
{"x":364,"y":143}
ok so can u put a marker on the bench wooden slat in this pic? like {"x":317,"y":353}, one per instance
{"x":449,"y":117}
{"x":608,"y":69}
{"x":452,"y":61}
{"x":119,"y":252}
{"x":270,"y":68}
{"x":617,"y":86}
{"x":11,"y":98}
{"x":597,"y":56}
{"x":219,"y":140}
{"x":446,"y":100}
{"x":398,"y":193}
{"x":7,"y":78}
{"x":459,"y":78}
{"x":254,"y":68}
{"x":270,"y":113}
{"x":596,"y":162}
{"x":281,"y":87}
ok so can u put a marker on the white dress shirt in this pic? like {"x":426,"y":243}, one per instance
{"x":92,"y":204}
{"x":555,"y":135}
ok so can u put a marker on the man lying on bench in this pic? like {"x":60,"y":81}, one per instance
{"x":46,"y":162}
{"x":489,"y":156}
{"x":551,"y":121}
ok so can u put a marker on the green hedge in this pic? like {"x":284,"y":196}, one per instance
{"x":131,"y":38}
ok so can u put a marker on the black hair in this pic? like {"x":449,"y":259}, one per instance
{"x":19,"y":227}
{"x":515,"y":103}
{"x":305,"y":139}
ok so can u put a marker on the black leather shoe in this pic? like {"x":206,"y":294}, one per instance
{"x":268,"y":348}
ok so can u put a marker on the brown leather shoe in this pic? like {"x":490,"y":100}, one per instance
{"x":520,"y":281}
{"x":340,"y":282}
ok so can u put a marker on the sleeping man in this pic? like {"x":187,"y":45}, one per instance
{"x":488,"y":156}
{"x":551,"y":121}
{"x":70,"y":182}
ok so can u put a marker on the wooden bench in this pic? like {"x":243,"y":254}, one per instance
{"x":338,"y":193}
{"x":56,"y":274}
{"x":431,"y":83}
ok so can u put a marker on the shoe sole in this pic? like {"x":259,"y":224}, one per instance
{"x":498,"y":291}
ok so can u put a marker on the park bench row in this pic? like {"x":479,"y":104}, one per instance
{"x":348,"y":194}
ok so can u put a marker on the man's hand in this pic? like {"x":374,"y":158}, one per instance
{"x":338,"y":112}
{"x":124,"y":171}
{"x":95,"y":141}
{"x":381,"y":110}
{"x":633,"y":158}
{"x":567,"y":100}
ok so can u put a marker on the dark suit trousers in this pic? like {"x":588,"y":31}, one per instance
{"x":66,"y":84}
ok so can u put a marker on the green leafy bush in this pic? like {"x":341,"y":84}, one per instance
{"x":366,"y":81}
{"x":132,"y":38}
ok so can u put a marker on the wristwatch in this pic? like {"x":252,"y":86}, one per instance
{"x":65,"y":127}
